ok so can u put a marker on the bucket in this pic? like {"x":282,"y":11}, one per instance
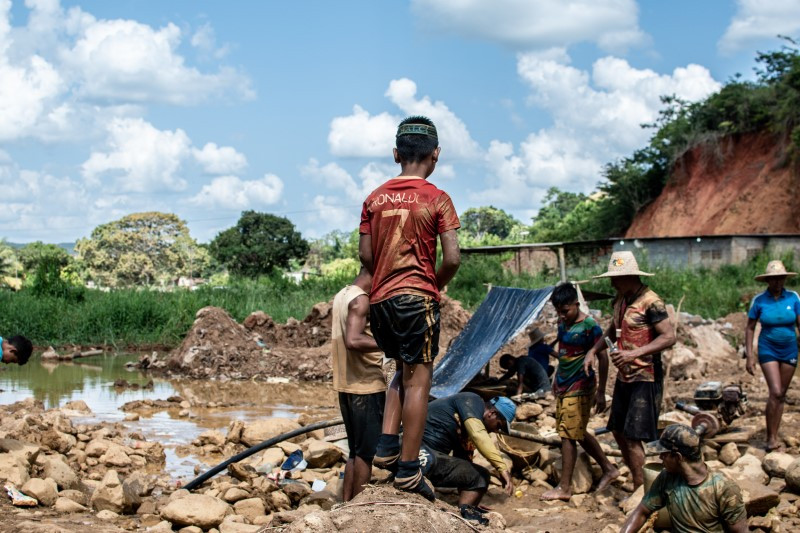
{"x":651,"y":471}
{"x":523,"y":453}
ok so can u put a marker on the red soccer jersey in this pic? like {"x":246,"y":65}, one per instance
{"x":404,"y":216}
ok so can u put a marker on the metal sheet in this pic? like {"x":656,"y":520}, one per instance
{"x":503,"y":314}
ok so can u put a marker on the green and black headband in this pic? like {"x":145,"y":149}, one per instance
{"x":417,"y":129}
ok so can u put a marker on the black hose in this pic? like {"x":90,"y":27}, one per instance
{"x":199,"y":480}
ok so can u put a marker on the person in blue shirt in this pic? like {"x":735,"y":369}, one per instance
{"x":778,"y":310}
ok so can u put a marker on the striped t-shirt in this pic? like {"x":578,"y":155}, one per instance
{"x":573,"y":343}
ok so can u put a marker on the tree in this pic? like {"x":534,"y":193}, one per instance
{"x":32,"y":254}
{"x":480,"y":222}
{"x":258,"y":243}
{"x":141,"y":249}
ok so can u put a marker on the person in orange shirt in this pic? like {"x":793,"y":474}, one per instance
{"x":400,"y":223}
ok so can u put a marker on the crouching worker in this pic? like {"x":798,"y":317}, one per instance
{"x":17,"y":349}
{"x":531,"y":376}
{"x":358,"y":378}
{"x":575,"y":388}
{"x":459,"y":424}
{"x":697,"y":500}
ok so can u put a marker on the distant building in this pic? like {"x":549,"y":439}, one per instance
{"x":676,"y":252}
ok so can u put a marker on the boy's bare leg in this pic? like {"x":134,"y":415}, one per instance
{"x":610,"y":472}
{"x":393,"y":410}
{"x":569,"y":454}
{"x":416,"y":390}
{"x":388,"y":452}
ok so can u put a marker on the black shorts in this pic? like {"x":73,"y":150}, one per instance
{"x":446,"y":471}
{"x":363,"y":421}
{"x":635,"y":408}
{"x":406,"y":327}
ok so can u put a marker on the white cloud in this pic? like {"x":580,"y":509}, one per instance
{"x":611,"y":24}
{"x":231,"y":192}
{"x":140,"y":157}
{"x":205,"y":40}
{"x":365,"y":135}
{"x":336,"y":178}
{"x":362,"y":135}
{"x":124,"y":60}
{"x":66,"y":74}
{"x":220,"y":159}
{"x":760,"y":19}
{"x":597,"y":118}
{"x":329,"y":214}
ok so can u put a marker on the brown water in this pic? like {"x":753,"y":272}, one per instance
{"x":92,"y":379}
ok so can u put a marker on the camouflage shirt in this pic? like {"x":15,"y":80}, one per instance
{"x":708,"y":507}
{"x":636,"y":317}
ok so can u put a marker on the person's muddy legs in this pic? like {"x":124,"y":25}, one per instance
{"x":778,"y":377}
{"x":610,"y":471}
{"x":569,"y":454}
{"x":416,"y":389}
{"x":388,"y":451}
{"x":393,"y":411}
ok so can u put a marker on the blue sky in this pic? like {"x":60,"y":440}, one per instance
{"x":206,"y":109}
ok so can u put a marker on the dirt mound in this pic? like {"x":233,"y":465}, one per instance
{"x":217,"y":346}
{"x":453,"y":319}
{"x":381,"y":509}
{"x":314,"y":330}
{"x":737,"y":185}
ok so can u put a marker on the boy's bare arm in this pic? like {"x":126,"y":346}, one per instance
{"x":365,"y":251}
{"x":354,"y":336}
{"x":451,"y":258}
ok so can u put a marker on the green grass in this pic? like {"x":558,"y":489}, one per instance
{"x":130,"y":318}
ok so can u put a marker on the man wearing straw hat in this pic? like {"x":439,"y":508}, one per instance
{"x":778,"y":310}
{"x":641,"y":329}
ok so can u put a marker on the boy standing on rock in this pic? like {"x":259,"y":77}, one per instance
{"x":400,"y":221}
{"x":575,"y":387}
{"x":358,"y":378}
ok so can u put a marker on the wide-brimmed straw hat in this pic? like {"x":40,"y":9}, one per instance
{"x":622,"y":264}
{"x":774,"y":269}
{"x":535,"y":335}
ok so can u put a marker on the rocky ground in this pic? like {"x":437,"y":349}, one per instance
{"x":108,"y":478}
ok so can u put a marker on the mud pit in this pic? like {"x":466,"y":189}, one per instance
{"x":250,"y":501}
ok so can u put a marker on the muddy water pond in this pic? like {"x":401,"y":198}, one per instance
{"x":92,"y":380}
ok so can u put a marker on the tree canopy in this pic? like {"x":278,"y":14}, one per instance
{"x":258,"y":243}
{"x":141,"y":249}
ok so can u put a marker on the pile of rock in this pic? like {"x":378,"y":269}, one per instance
{"x":73,"y":467}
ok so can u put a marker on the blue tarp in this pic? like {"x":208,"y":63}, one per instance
{"x":503,"y":314}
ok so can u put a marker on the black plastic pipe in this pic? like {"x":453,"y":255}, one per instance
{"x":199,"y":480}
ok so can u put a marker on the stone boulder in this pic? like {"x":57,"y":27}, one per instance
{"x":24,"y":450}
{"x":58,"y":441}
{"x":56,"y":467}
{"x":710,"y":344}
{"x":684,"y":363}
{"x":747,"y":467}
{"x":321,"y":454}
{"x":581,"y":475}
{"x":758,"y":499}
{"x":528,"y":411}
{"x":729,"y":453}
{"x":111,"y":496}
{"x":116,"y":456}
{"x":250,"y":508}
{"x":776,"y":463}
{"x":296,"y":490}
{"x":196,"y":510}
{"x":267,"y":428}
{"x":792,"y":476}
{"x":66,"y":505}
{"x":44,"y":490}
{"x":14,"y":469}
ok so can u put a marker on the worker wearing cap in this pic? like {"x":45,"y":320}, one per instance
{"x":697,"y":499}
{"x":459,"y":424}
